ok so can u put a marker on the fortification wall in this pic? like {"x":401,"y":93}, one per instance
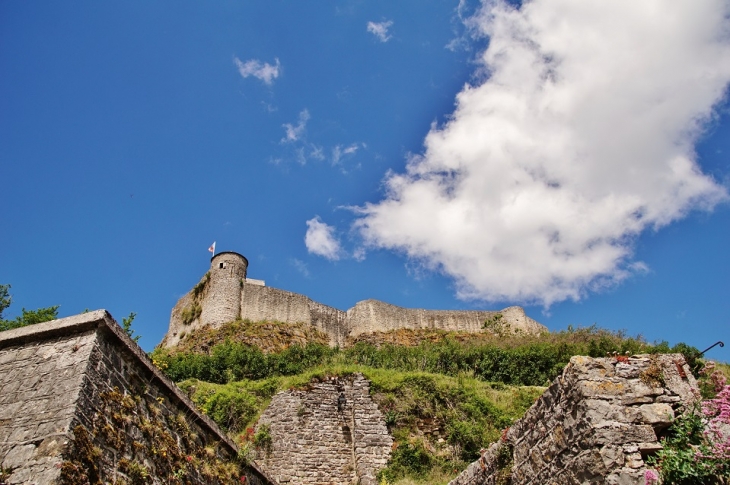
{"x":224,"y":294}
{"x":316,"y":442}
{"x":84,"y":405}
{"x":221,"y":301}
{"x":266,"y":303}
{"x":376,"y":316}
{"x":331,"y":321}
{"x":596,"y":424}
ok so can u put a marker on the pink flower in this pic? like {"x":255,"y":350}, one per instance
{"x":650,"y":477}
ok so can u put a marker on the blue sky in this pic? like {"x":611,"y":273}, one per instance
{"x":571,"y":158}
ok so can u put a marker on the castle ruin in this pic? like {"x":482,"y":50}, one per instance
{"x":225,"y":294}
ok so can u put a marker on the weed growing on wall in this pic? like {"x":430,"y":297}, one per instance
{"x":168,"y":448}
{"x":697,"y":446}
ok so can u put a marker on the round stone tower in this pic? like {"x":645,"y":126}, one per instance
{"x":222,"y":301}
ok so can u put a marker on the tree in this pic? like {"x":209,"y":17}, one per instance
{"x":127,"y":326}
{"x":27,"y":317}
{"x":5,"y":299}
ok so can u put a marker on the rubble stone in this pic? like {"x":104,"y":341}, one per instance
{"x":595,"y":424}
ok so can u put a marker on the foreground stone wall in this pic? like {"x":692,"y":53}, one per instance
{"x":596,"y":424}
{"x":315,"y":441}
{"x":83,"y":404}
{"x":39,"y":385}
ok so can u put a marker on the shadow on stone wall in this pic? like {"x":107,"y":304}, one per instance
{"x":596,"y":424}
{"x":331,"y":432}
{"x":80,"y":402}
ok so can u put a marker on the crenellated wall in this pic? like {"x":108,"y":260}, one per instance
{"x":596,"y":424}
{"x":224,"y":295}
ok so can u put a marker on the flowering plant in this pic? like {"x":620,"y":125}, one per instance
{"x":697,"y":447}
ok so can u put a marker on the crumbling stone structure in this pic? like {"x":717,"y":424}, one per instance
{"x":596,"y":424}
{"x":225,"y":294}
{"x":80,"y":402}
{"x":330,"y":433}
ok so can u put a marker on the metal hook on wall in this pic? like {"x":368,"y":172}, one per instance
{"x":719,"y":342}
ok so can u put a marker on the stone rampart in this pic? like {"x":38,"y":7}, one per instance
{"x":266,"y":303}
{"x":376,"y":316}
{"x":221,"y":300}
{"x":319,"y":439}
{"x":81,"y":403}
{"x":224,"y":294}
{"x":596,"y":424}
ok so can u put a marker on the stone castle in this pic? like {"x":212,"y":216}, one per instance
{"x":225,"y":294}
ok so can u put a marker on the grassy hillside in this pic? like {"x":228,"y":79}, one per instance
{"x":439,"y":422}
{"x":444,"y":395}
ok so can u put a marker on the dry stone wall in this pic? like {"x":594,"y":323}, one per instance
{"x":595,"y":424}
{"x":224,"y":295}
{"x":83,"y":404}
{"x":317,"y":439}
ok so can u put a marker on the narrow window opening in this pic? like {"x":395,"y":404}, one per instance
{"x":220,"y":265}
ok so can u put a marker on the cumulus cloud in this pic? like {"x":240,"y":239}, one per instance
{"x":295,"y":132}
{"x":260,"y":70}
{"x":380,"y":29}
{"x":320,"y":239}
{"x":580,"y":136}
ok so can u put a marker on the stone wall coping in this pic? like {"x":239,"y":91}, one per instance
{"x":101,"y":320}
{"x":230,"y":252}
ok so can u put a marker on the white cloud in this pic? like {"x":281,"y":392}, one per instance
{"x":581,"y":138}
{"x":341,"y":151}
{"x":262,"y":71}
{"x":320,"y":239}
{"x":295,"y":132}
{"x":380,"y":29}
{"x":300,"y":266}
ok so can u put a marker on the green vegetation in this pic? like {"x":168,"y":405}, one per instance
{"x":193,"y":311}
{"x":27,"y":317}
{"x":269,"y":336}
{"x":517,"y":360}
{"x":444,"y":396}
{"x":127,"y":327}
{"x":439,"y":422}
{"x":696,"y":448}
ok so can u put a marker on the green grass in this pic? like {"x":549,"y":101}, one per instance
{"x":439,"y":422}
{"x":517,"y":360}
{"x":444,"y":396}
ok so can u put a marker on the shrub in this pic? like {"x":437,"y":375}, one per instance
{"x":697,"y":446}
{"x":408,"y":459}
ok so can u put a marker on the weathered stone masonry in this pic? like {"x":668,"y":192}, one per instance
{"x":318,"y":440}
{"x":225,"y":294}
{"x":595,"y":424}
{"x":80,"y":401}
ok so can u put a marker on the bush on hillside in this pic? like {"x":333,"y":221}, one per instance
{"x":522,"y":360}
